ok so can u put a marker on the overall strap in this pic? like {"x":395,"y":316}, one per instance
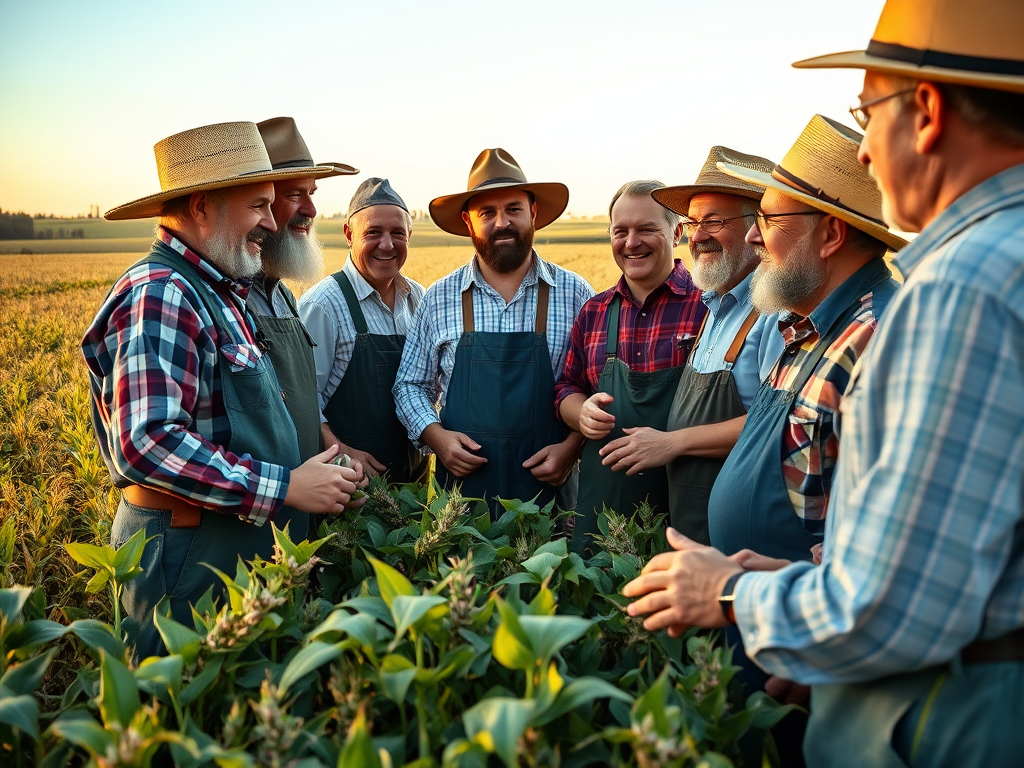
{"x":824,"y":342}
{"x":741,"y":337}
{"x":543,"y":292}
{"x":611,"y":326}
{"x":353,"y":303}
{"x":696,"y":339}
{"x":467,"y":310}
{"x":289,"y":300}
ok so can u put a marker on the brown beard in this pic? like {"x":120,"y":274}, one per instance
{"x":508,"y":257}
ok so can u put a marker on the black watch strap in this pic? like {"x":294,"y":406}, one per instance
{"x":728,"y":596}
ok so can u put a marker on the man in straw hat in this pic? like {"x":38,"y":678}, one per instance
{"x":735,"y":350}
{"x":913,"y":631}
{"x":629,"y":345}
{"x":291,"y":252}
{"x":488,"y":341}
{"x":359,"y":318}
{"x":187,"y":408}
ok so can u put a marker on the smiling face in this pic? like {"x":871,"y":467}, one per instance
{"x":643,"y":241}
{"x":379,"y":239}
{"x":238,"y":221}
{"x":501,"y":227}
{"x":721,"y":260}
{"x":293,"y":251}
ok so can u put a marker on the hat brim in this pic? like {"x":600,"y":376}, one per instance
{"x":151,"y":205}
{"x":677,"y":199}
{"x":340,"y":169}
{"x":551,"y":198}
{"x":877,"y":231}
{"x":864,"y":60}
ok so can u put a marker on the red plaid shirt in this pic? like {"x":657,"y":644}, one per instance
{"x":657,"y":334}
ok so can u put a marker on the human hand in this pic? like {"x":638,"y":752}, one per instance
{"x":787,"y":692}
{"x":749,"y":560}
{"x":680,"y":589}
{"x":553,"y":463}
{"x":816,"y":552}
{"x":641,"y":448}
{"x":321,"y":487}
{"x":370,"y":466}
{"x":453,"y":449}
{"x":595,"y":422}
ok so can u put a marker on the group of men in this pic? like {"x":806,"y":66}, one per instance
{"x":890,"y":580}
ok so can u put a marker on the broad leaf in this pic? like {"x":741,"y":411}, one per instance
{"x":164,"y":673}
{"x":201,"y":682}
{"x":312,"y":657}
{"x":511,"y":645}
{"x":584,"y":690}
{"x":85,"y":733}
{"x":410,"y":611}
{"x":98,"y":636}
{"x":24,"y":678}
{"x":374,"y":606}
{"x":178,"y":638}
{"x":390,"y":582}
{"x":98,"y":582}
{"x":119,"y":693}
{"x":91,"y":555}
{"x":497,"y":724}
{"x":358,"y":751}
{"x":127,"y":557}
{"x":25,"y":637}
{"x":21,"y":712}
{"x":549,"y":634}
{"x":396,"y":675}
{"x":361,"y":626}
{"x":12,"y":600}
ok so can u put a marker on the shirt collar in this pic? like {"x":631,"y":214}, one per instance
{"x":206,"y":268}
{"x":363,"y":288}
{"x":678,"y":282}
{"x":1004,"y":190}
{"x":832,"y":306}
{"x":740,"y":294}
{"x":539,"y":268}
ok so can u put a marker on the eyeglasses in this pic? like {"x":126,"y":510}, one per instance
{"x":764,"y":220}
{"x":710,"y":226}
{"x":860,"y":114}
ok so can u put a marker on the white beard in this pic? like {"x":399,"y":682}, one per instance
{"x":294,"y":258}
{"x":781,"y":287}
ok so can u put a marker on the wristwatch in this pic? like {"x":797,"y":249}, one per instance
{"x":728,"y":597}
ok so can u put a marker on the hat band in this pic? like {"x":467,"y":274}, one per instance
{"x":499,"y":180}
{"x":922,"y":57}
{"x":819,"y":193}
{"x":301,"y":163}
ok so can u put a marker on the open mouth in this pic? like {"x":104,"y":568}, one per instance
{"x":636,"y":256}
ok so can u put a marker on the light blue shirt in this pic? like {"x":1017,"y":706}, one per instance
{"x":925,"y":537}
{"x":429,"y":355}
{"x":757,"y":356}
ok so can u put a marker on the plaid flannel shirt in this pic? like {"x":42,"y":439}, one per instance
{"x":152,"y":354}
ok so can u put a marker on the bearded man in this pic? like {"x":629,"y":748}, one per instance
{"x":735,"y":349}
{"x":488,"y":341}
{"x":186,"y":406}
{"x":292,"y":252}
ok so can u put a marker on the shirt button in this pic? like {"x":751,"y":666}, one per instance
{"x":643,"y":314}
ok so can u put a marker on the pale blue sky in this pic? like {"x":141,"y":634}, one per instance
{"x":592,"y":94}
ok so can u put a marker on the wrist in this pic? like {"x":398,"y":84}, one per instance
{"x":727,"y":597}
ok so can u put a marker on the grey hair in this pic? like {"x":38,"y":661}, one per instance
{"x":178,"y":209}
{"x":643,"y":188}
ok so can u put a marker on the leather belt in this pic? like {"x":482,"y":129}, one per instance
{"x":1009,"y":647}
{"x":184,"y":514}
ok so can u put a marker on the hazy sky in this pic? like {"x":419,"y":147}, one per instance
{"x":589,"y":93}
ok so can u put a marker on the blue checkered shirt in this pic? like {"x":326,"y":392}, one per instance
{"x":429,"y":355}
{"x":925,"y":539}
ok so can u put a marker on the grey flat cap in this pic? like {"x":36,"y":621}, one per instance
{"x":375,"y":191}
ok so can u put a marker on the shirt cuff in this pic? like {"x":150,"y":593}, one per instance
{"x":267,"y":494}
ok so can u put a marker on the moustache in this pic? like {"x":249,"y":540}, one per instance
{"x":258,"y":235}
{"x":708,"y":246}
{"x":298,"y":220}
{"x":508,"y":231}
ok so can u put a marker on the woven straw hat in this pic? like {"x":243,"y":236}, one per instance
{"x":822,"y":170}
{"x":210,"y":157}
{"x":286,"y":148}
{"x":497,"y":169}
{"x":953,"y":41}
{"x":710,"y":179}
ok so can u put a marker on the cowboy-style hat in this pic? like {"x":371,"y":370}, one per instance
{"x":710,"y":179}
{"x":952,"y":41}
{"x":497,"y":169}
{"x":286,"y":148}
{"x":822,"y":170}
{"x":210,"y":157}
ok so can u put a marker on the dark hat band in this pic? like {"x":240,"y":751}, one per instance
{"x":819,"y":193}
{"x":302,"y":163}
{"x":498,"y":180}
{"x":927,"y":58}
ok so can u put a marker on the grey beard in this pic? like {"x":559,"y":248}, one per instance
{"x":293,"y":258}
{"x":233,"y":261}
{"x":781,"y":288}
{"x":714,"y":276}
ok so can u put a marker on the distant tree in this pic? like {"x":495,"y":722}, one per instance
{"x":16,"y":226}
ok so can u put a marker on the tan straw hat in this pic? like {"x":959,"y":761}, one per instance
{"x":210,"y":157}
{"x":822,"y":170}
{"x":286,"y":148}
{"x":710,"y":179}
{"x":497,"y":169}
{"x":953,"y":41}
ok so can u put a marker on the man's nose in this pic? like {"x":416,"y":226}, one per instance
{"x":633,"y":239}
{"x":699,"y":235}
{"x":306,"y":208}
{"x":754,"y":235}
{"x":386,"y":243}
{"x":267,"y":221}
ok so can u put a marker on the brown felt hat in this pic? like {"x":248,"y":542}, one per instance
{"x":286,"y":148}
{"x":710,"y":179}
{"x":822,"y":171}
{"x":497,"y":169}
{"x":977,"y":43}
{"x":210,"y":157}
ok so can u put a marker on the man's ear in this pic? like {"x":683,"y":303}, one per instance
{"x":930,"y":110}
{"x":833,"y":233}
{"x":348,"y":233}
{"x":533,"y":212}
{"x":198,"y":206}
{"x":677,"y":234}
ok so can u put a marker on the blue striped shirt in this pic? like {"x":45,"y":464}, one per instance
{"x":429,"y":355}
{"x":924,"y":545}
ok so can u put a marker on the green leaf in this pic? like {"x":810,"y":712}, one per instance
{"x":558,"y":547}
{"x":165,"y":672}
{"x":396,"y":675}
{"x":128,"y":555}
{"x":12,"y":600}
{"x":390,"y":581}
{"x":410,"y":611}
{"x":24,"y":678}
{"x":511,"y":645}
{"x":521,"y":578}
{"x":25,"y":637}
{"x":375,"y":606}
{"x":358,"y":751}
{"x":91,"y":555}
{"x":98,"y":581}
{"x":178,"y":638}
{"x":98,"y":636}
{"x":312,"y":657}
{"x":236,"y":593}
{"x":119,"y":693}
{"x":549,"y":634}
{"x":202,"y":682}
{"x":543,"y":604}
{"x":655,"y":703}
{"x":85,"y":733}
{"x":361,"y":626}
{"x":21,"y":712}
{"x":285,"y":543}
{"x":583,"y":690}
{"x":497,"y":724}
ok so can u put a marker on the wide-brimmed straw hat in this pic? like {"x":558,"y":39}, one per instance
{"x":710,"y":179}
{"x":497,"y":169}
{"x":952,"y":41}
{"x":822,"y":170}
{"x":210,"y":157}
{"x":286,"y":148}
